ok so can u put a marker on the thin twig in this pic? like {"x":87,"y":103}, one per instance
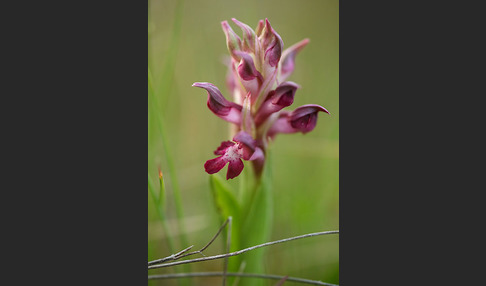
{"x":241,"y":251}
{"x":181,"y":254}
{"x":254,"y":275}
{"x":170,"y":257}
{"x":209,"y":243}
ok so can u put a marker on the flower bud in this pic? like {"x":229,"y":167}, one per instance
{"x":248,"y":36}
{"x":272,"y":45}
{"x":259,"y":28}
{"x":233,"y":42}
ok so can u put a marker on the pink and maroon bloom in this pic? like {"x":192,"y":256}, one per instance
{"x":258,"y":69}
{"x":242,"y":147}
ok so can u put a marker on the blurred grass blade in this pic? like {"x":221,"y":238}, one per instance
{"x":170,"y":163}
{"x":161,"y":215}
{"x":168,"y":73}
{"x":162,"y":90}
{"x":161,"y":200}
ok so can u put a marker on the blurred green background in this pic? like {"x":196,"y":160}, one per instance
{"x":186,"y":45}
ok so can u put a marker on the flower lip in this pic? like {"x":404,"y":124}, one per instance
{"x":214,"y":165}
{"x":222,"y":148}
{"x":234,"y":169}
{"x":243,"y":147}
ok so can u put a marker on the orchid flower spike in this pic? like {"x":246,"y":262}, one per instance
{"x":258,"y":68}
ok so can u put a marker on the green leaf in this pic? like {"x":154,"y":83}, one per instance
{"x":227,"y":206}
{"x":225,"y":201}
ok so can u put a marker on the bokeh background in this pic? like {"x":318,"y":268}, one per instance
{"x":186,"y":45}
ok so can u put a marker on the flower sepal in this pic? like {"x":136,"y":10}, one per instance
{"x":287,"y":62}
{"x":302,"y":119}
{"x":219,"y":105}
{"x":276,"y":100}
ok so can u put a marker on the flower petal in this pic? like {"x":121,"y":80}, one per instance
{"x":287,"y":62}
{"x":234,"y":168}
{"x":215,"y":165}
{"x":223,"y":108}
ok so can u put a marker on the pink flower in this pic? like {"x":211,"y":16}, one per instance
{"x":258,"y":68}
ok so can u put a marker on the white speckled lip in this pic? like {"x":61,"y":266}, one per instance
{"x":234,"y":152}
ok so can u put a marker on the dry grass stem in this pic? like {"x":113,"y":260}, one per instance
{"x":239,"y":251}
